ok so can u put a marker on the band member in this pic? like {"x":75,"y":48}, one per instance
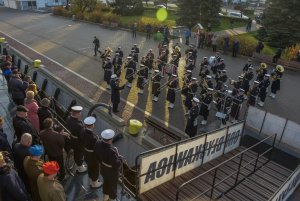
{"x":276,"y":76}
{"x":206,"y":100}
{"x":205,"y":84}
{"x":190,"y":65}
{"x":150,"y":59}
{"x":253,"y":93}
{"x":172,"y":86}
{"x":142,"y":78}
{"x":175,"y":60}
{"x":224,"y":104}
{"x":75,"y":126}
{"x":89,"y":139}
{"x":163,"y":57}
{"x":130,"y":67}
{"x":120,"y":52}
{"x":105,"y":55}
{"x":218,"y":57}
{"x":247,"y":65}
{"x":156,"y":85}
{"x":186,"y":81}
{"x":96,"y":43}
{"x":203,"y":71}
{"x":110,"y":161}
{"x":160,"y":66}
{"x":237,"y":85}
{"x":192,"y":123}
{"x":261,"y":71}
{"x":221,"y":79}
{"x":117,"y":63}
{"x":191,"y":92}
{"x":107,"y":71}
{"x":135,"y":50}
{"x":188,"y":57}
{"x":249,"y":75}
{"x":263,"y":85}
{"x":115,"y":92}
{"x":237,"y":104}
{"x":204,"y":62}
{"x":221,"y":65}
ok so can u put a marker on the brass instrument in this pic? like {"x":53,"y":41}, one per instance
{"x":204,"y":84}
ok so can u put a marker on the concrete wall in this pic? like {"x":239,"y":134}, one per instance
{"x":10,"y":4}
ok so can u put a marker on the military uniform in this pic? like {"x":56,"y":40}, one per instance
{"x":107,"y":71}
{"x":142,"y":77}
{"x":115,"y":93}
{"x":186,"y":81}
{"x":191,"y":92}
{"x":253,"y":93}
{"x":275,"y":86}
{"x":237,"y":105}
{"x":263,"y":85}
{"x":171,"y":94}
{"x":33,"y":169}
{"x":206,"y":100}
{"x":130,"y":70}
{"x":192,"y":124}
{"x":156,"y":85}
{"x":117,"y":63}
{"x":50,"y":190}
{"x":110,"y":162}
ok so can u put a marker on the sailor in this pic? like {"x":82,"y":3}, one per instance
{"x":237,"y":104}
{"x":117,"y":63}
{"x":115,"y":92}
{"x":191,"y":92}
{"x":263,"y":85}
{"x":205,"y":84}
{"x":204,"y":71}
{"x":206,"y":100}
{"x":75,"y":126}
{"x":204,"y":62}
{"x":261,"y":71}
{"x":237,"y":85}
{"x":192,"y":123}
{"x":107,"y":71}
{"x":142,"y":78}
{"x":89,"y":139}
{"x":190,"y":65}
{"x":253,"y":93}
{"x":120,"y":52}
{"x":172,"y":87}
{"x":130,"y":71}
{"x":247,"y":65}
{"x":156,"y":85}
{"x":276,"y":77}
{"x":135,"y":53}
{"x":175,"y":59}
{"x":150,"y":59}
{"x":186,"y":81}
{"x":110,"y":161}
{"x":221,"y":79}
{"x":221,"y":65}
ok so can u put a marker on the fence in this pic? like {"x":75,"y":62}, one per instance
{"x":266,"y":123}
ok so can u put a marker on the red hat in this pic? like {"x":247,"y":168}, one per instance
{"x":51,"y":167}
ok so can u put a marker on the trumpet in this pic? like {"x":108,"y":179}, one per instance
{"x":166,"y":84}
{"x":204,"y":84}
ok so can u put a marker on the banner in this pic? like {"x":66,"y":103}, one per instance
{"x":166,"y":164}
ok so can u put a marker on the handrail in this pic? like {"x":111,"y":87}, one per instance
{"x":224,"y":162}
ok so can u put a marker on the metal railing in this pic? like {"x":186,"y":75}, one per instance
{"x":176,"y":160}
{"x":210,"y":191}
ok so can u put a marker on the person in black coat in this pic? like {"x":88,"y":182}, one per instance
{"x":263,"y":89}
{"x":156,"y":85}
{"x":4,"y":145}
{"x":235,"y":47}
{"x":192,"y":124}
{"x":191,"y":92}
{"x":172,"y":86}
{"x":96,"y":43}
{"x":237,"y":104}
{"x":44,"y":112}
{"x":20,"y":151}
{"x":115,"y":92}
{"x":17,"y":88}
{"x":108,"y":67}
{"x":130,"y":71}
{"x":276,"y":76}
{"x":22,"y":125}
{"x":206,"y":100}
{"x":117,"y":63}
{"x":253,"y":93}
{"x":11,"y":186}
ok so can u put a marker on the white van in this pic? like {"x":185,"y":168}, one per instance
{"x":236,"y":15}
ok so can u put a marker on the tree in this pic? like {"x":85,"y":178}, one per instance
{"x":281,"y":21}
{"x":210,"y":12}
{"x":83,"y":5}
{"x":127,"y":7}
{"x":163,"y":2}
{"x":188,"y":12}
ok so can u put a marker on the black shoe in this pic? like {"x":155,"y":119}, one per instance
{"x":116,"y":111}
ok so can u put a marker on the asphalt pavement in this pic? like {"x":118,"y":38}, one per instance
{"x":70,"y":43}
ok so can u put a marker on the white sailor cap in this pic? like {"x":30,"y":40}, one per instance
{"x":210,"y":89}
{"x":174,"y":75}
{"x":156,"y":71}
{"x":165,"y":45}
{"x":250,"y":68}
{"x":77,"y":108}
{"x":174,"y":55}
{"x":204,"y":57}
{"x":208,"y":76}
{"x":267,"y":75}
{"x":108,"y":58}
{"x":117,"y":54}
{"x":249,"y":60}
{"x":222,"y":59}
{"x":196,"y":100}
{"x":150,"y":50}
{"x":188,"y":71}
{"x":241,"y":90}
{"x":135,"y":45}
{"x":191,"y":45}
{"x":241,"y":77}
{"x":190,"y":52}
{"x":224,"y":71}
{"x":190,"y":59}
{"x":113,"y":76}
{"x":142,"y":65}
{"x":107,"y":134}
{"x":89,"y":120}
{"x":229,"y":91}
{"x":256,"y":82}
{"x":163,"y":51}
{"x":194,"y":79}
{"x":129,"y":57}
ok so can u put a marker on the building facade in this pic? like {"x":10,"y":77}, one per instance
{"x":32,"y":4}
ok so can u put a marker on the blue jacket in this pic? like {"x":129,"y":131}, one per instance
{"x":17,"y":87}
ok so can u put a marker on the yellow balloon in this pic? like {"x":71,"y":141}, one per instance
{"x":162,"y":14}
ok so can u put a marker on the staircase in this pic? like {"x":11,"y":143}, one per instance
{"x":254,"y":185}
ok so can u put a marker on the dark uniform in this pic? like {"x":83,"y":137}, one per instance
{"x":263,"y":89}
{"x":275,"y":86}
{"x":96,"y":43}
{"x":120,"y":52}
{"x":21,"y":126}
{"x":236,"y":106}
{"x":203,"y":71}
{"x":206,"y":100}
{"x":191,"y":92}
{"x":110,"y":163}
{"x":186,"y":81}
{"x":246,"y":67}
{"x":261,"y":73}
{"x":130,"y":70}
{"x":117,"y":63}
{"x":107,"y":71}
{"x":75,"y":126}
{"x":224,"y":106}
{"x":135,"y":53}
{"x":192,"y":124}
{"x":115,"y":93}
{"x":142,"y":77}
{"x":172,"y":86}
{"x":253,"y":93}
{"x":89,"y":140}
{"x":156,"y":85}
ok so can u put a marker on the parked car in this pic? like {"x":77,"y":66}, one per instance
{"x":160,"y":6}
{"x":236,"y":15}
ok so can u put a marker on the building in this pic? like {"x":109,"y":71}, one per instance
{"x":32,"y":4}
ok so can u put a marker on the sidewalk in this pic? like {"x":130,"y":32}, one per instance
{"x":239,"y":30}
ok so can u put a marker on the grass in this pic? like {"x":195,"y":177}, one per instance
{"x":225,"y":24}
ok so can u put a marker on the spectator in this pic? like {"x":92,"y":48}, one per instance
{"x":11,"y":186}
{"x":235,"y":47}
{"x":298,"y":56}
{"x":33,"y":168}
{"x":32,"y":87}
{"x":44,"y":112}
{"x":201,"y":39}
{"x":22,"y":125}
{"x":226,"y":44}
{"x":17,"y":88}
{"x":214,"y":42}
{"x":32,"y":107}
{"x":187,"y":35}
{"x":20,"y":151}
{"x":260,"y":46}
{"x":148,"y":30}
{"x":277,"y":55}
{"x":49,"y":188}
{"x":54,"y":144}
{"x":166,"y":33}
{"x":7,"y":71}
{"x":133,"y":29}
{"x":209,"y":39}
{"x":4,"y":145}
{"x":231,"y":23}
